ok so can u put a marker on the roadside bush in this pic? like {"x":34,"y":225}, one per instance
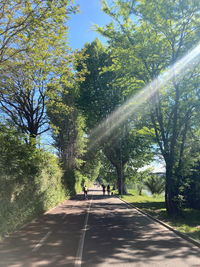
{"x":30,"y":178}
{"x":155,"y":184}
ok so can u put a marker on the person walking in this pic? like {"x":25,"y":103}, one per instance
{"x":104,"y":189}
{"x":108,"y":189}
{"x":85,"y":191}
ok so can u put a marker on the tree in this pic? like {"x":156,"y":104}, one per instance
{"x":98,"y":98}
{"x":138,"y":178}
{"x":151,"y":36}
{"x":23,"y":98}
{"x":27,"y":22}
{"x":68,"y":133}
{"x":107,"y":173}
{"x":25,"y":75}
{"x":155,"y":184}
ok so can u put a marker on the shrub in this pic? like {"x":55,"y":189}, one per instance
{"x":155,"y":184}
{"x":30,"y":181}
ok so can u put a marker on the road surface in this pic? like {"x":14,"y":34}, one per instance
{"x":101,"y":231}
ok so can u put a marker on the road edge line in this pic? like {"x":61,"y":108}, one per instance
{"x":184,"y":236}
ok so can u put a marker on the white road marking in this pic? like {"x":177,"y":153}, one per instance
{"x":64,"y":216}
{"x":79,"y":254}
{"x":42,"y":241}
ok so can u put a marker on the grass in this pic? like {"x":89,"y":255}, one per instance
{"x":188,"y":222}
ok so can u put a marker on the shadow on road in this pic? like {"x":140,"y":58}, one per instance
{"x":115,"y":235}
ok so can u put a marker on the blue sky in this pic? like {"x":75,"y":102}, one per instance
{"x":80,"y":30}
{"x":80,"y":25}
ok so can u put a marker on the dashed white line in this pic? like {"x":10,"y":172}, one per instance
{"x":64,"y":216}
{"x":79,"y":253}
{"x":42,"y":241}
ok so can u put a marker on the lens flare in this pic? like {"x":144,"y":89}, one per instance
{"x":177,"y":71}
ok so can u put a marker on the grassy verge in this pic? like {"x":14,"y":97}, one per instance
{"x":188,"y":222}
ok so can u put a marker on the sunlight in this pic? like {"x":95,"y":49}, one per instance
{"x":178,"y":70}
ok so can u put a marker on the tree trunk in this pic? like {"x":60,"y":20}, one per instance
{"x":171,"y":201}
{"x":121,"y":180}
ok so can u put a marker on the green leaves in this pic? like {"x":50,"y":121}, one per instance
{"x":27,"y":24}
{"x":155,"y":184}
{"x":146,"y":37}
{"x":33,"y":77}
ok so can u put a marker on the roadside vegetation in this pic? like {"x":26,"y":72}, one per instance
{"x":30,"y":181}
{"x":107,"y":110}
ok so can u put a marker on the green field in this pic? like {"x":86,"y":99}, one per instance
{"x":188,"y":222}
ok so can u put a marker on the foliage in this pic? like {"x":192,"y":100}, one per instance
{"x":98,"y":98}
{"x":70,"y":142}
{"x":27,"y":24}
{"x":191,"y":186}
{"x":138,"y":179}
{"x":68,"y":123}
{"x":107,"y":172}
{"x":91,"y":165}
{"x":155,"y":184}
{"x":30,"y":181}
{"x":146,"y":38}
{"x":45,"y":58}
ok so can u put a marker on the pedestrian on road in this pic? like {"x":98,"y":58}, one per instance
{"x":108,"y":189}
{"x":85,"y":191}
{"x":104,"y":189}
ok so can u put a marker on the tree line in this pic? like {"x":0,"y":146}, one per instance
{"x":73,"y":95}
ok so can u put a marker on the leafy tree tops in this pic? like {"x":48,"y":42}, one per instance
{"x":146,"y":38}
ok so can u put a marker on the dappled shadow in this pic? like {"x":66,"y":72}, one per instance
{"x":194,"y":234}
{"x":63,"y":229}
{"x":127,"y":237}
{"x":115,"y":235}
{"x":150,"y":205}
{"x":157,"y":209}
{"x":191,"y":213}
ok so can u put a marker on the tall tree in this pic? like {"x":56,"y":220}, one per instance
{"x":68,"y":125}
{"x":70,"y":139}
{"x":98,"y":98}
{"x":151,"y":36}
{"x":40,"y":27}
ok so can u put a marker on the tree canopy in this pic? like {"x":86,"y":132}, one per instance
{"x":109,"y":108}
{"x":151,"y":36}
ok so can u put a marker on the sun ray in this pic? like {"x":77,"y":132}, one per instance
{"x":178,"y":70}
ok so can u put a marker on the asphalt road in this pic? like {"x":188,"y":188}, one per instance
{"x":101,"y":231}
